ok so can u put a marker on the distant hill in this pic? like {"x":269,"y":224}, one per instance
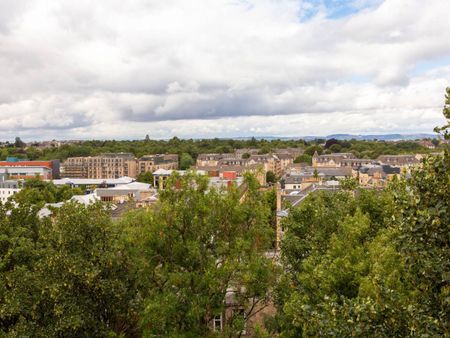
{"x":386,"y":137}
{"x":382,"y":137}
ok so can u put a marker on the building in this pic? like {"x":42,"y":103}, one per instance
{"x":208,"y":160}
{"x":399,"y":160}
{"x":151,"y":163}
{"x":115,"y":165}
{"x":7,"y":189}
{"x":93,"y":183}
{"x":161,"y":175}
{"x":294,"y":152}
{"x":376,"y":175}
{"x":426,"y":144}
{"x":303,"y":178}
{"x":248,"y":151}
{"x":14,"y":168}
{"x":135,"y":191}
{"x":331,"y":160}
{"x":112,"y":165}
{"x":276,"y":163}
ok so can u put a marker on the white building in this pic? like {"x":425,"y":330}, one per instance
{"x":24,"y":172}
{"x":8,"y":189}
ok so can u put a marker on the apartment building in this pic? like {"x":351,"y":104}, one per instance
{"x":159,"y":161}
{"x":116,"y":165}
{"x":276,"y":163}
{"x":112,"y":165}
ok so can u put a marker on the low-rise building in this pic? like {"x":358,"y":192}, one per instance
{"x":248,"y":151}
{"x":305,"y":177}
{"x":293,"y":152}
{"x":93,"y":183}
{"x":161,"y":175}
{"x":135,"y":191}
{"x":14,"y":168}
{"x":331,"y":160}
{"x":208,"y":160}
{"x":7,"y":189}
{"x":376,"y":175}
{"x":399,"y":160}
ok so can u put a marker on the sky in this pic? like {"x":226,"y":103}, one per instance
{"x":221,"y":68}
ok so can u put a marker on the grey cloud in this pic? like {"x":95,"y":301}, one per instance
{"x":84,"y":65}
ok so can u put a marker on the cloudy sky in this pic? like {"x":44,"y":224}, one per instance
{"x":221,"y":68}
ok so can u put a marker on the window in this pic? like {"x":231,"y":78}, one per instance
{"x":217,"y":323}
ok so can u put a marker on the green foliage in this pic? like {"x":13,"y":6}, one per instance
{"x":186,"y":161}
{"x":446,"y":111}
{"x":349,"y":183}
{"x":312,"y":149}
{"x":146,"y":177}
{"x":18,"y":143}
{"x":369,"y":264}
{"x":304,"y":158}
{"x":335,"y":148}
{"x":64,"y":277}
{"x":194,"y":147}
{"x":265,"y":149}
{"x":37,"y":191}
{"x":198,"y":244}
{"x":270,"y":177}
{"x":331,"y":142}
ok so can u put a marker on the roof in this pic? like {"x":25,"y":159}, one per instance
{"x":133,"y":186}
{"x":47,"y":164}
{"x":339,"y":171}
{"x":93,"y":181}
{"x":165,"y":172}
{"x":85,"y":199}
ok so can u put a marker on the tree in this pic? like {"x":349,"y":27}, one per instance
{"x":200,"y":245}
{"x":270,"y":177}
{"x":264,"y":150}
{"x":245,"y":155}
{"x":145,"y":177}
{"x":446,"y":111}
{"x":66,"y":276}
{"x":312,"y":149}
{"x":316,"y":174}
{"x":331,"y":142}
{"x":304,"y":158}
{"x":18,"y":143}
{"x":335,"y":148}
{"x":373,"y":264}
{"x":186,"y":161}
{"x":37,"y":191}
{"x":349,"y":183}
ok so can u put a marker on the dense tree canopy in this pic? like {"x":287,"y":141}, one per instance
{"x":201,"y":243}
{"x":37,"y":191}
{"x":370,"y":264}
{"x":68,"y":276}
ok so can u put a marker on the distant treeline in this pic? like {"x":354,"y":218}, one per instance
{"x":362,"y":149}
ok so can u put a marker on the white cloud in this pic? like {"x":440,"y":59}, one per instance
{"x":123,"y":69}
